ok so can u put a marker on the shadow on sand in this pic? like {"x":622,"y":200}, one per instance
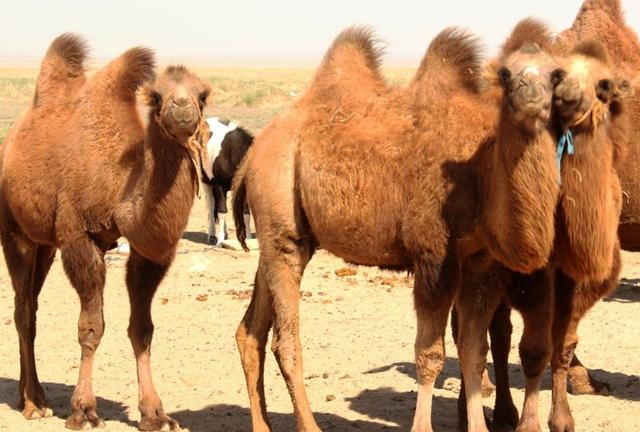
{"x":59,"y":398}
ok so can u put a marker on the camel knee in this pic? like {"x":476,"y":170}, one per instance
{"x":140,"y":335}
{"x":473,"y":352}
{"x":90,"y":334}
{"x":534,"y":360}
{"x":429,"y":364}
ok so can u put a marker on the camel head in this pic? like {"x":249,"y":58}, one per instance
{"x":177,"y":99}
{"x":528,"y":76}
{"x":589,"y":87}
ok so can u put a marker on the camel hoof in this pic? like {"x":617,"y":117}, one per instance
{"x":162,"y":423}
{"x":487,"y":387}
{"x":32,"y":411}
{"x":84,"y":421}
{"x":581,"y":385}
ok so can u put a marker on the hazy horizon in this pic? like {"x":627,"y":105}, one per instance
{"x":254,"y":31}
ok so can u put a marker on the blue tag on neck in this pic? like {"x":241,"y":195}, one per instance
{"x":565,"y":141}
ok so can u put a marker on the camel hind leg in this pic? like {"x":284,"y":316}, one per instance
{"x":251,"y":338}
{"x":28,"y":265}
{"x":283,"y":266}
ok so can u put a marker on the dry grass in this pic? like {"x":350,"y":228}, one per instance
{"x":248,"y":95}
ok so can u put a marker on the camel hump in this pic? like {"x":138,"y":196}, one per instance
{"x":613,"y":8}
{"x":594,"y":49}
{"x":354,"y":56}
{"x":528,"y":31}
{"x":133,"y":68}
{"x":63,"y":65}
{"x":453,"y":54}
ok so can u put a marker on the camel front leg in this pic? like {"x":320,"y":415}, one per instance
{"x":532,"y":295}
{"x":143,"y":278}
{"x":83,"y":263}
{"x":433,"y":298}
{"x":474,"y":317}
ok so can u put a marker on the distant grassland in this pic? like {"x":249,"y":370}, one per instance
{"x":249,"y":95}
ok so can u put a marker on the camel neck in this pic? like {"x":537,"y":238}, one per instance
{"x":165,"y":196}
{"x":520,"y":191}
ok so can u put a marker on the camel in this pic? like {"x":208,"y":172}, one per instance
{"x":604,"y":20}
{"x":589,"y":105}
{"x":405,"y":179}
{"x":109,"y":176}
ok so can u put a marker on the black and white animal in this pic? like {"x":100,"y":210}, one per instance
{"x":225,"y":150}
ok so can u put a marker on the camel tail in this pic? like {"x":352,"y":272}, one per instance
{"x":453,"y":53}
{"x":239,"y":189}
{"x":63,"y":66}
{"x":528,"y":31}
{"x":134,"y":68}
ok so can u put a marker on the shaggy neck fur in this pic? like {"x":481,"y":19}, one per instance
{"x":519,"y":193}
{"x":589,"y":207}
{"x":164,"y":195}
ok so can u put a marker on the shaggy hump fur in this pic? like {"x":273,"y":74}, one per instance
{"x":528,"y":31}
{"x":137,"y":67}
{"x":454,"y":52}
{"x":62,"y":69}
{"x":364,"y":41}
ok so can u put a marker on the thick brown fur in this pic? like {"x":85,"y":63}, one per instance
{"x":106,"y":176}
{"x":586,"y":261}
{"x":390,"y":177}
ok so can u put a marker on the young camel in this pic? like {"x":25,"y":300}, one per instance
{"x":143,"y":191}
{"x":589,"y":104}
{"x":430,"y":158}
{"x":604,"y":20}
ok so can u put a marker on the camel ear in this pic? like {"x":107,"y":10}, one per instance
{"x":149,"y":96}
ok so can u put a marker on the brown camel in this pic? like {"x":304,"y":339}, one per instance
{"x":397,"y":178}
{"x":588,"y":104}
{"x":106,"y":177}
{"x":604,"y":20}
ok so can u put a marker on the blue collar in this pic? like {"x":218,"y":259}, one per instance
{"x":565,"y":141}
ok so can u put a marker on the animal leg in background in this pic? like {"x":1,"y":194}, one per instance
{"x":143,"y":278}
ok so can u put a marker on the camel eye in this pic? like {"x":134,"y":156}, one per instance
{"x":505,"y":76}
{"x":557,"y":76}
{"x":203,"y":97}
{"x":156,"y":99}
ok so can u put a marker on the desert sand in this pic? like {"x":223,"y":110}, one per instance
{"x":357,"y":334}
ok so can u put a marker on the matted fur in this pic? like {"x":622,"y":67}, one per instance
{"x":528,"y":31}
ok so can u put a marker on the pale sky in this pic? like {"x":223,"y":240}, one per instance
{"x":247,"y":30}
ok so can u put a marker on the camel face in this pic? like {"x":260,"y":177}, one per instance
{"x":589,"y":87}
{"x":528,"y":77}
{"x":178,"y":98}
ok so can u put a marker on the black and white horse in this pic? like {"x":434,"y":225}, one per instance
{"x":225,"y":150}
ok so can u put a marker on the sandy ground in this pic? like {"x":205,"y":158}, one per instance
{"x":357,"y":333}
